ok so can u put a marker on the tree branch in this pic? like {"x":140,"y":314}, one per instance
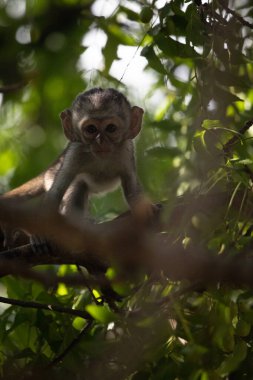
{"x":41,"y":306}
{"x":74,"y":342}
{"x":237,"y":137}
{"x":127,"y":243}
{"x":236,"y":15}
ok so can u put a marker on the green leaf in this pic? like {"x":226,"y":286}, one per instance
{"x":210,"y":124}
{"x":172,"y":48}
{"x":25,"y":353}
{"x":119,"y":35}
{"x":199,"y":142}
{"x":166,"y":125}
{"x":101,"y":313}
{"x":79,"y":323}
{"x":146,"y":14}
{"x":194,"y":29}
{"x":223,"y":77}
{"x":163,"y":152}
{"x":234,"y":360}
{"x":153,"y":61}
{"x":243,"y":328}
{"x":110,"y":52}
{"x":8,"y":160}
{"x":225,"y":96}
{"x":130,"y":13}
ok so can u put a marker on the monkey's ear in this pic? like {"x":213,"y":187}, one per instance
{"x":136,"y":120}
{"x":66,"y":122}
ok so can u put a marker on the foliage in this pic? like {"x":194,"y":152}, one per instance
{"x":193,"y":143}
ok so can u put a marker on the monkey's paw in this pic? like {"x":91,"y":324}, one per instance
{"x":40,"y":245}
{"x":11,"y":236}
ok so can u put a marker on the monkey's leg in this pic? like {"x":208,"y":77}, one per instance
{"x":76,"y":200}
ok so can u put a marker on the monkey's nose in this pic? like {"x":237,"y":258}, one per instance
{"x":100,"y":139}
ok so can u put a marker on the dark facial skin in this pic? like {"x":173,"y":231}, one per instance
{"x":103,"y":135}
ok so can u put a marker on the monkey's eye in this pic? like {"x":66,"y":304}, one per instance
{"x":91,"y":129}
{"x":111,"y":128}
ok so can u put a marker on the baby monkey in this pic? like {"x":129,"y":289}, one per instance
{"x":100,"y":127}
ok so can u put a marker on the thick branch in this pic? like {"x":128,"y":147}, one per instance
{"x":128,"y":243}
{"x":122,"y":239}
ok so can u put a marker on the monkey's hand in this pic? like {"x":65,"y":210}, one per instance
{"x":143,"y":209}
{"x":11,"y":236}
{"x":40,"y":245}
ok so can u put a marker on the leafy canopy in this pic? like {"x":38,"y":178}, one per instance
{"x":195,"y":143}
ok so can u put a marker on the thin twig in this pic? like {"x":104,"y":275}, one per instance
{"x":74,"y":342}
{"x":234,"y":140}
{"x":236,"y":15}
{"x":236,"y":137}
{"x":98,"y":301}
{"x":17,"y":268}
{"x":137,"y":49}
{"x":41,"y":306}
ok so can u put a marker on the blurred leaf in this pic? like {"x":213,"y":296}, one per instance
{"x":201,"y":61}
{"x":167,"y":125}
{"x":8,"y":160}
{"x":153,"y":60}
{"x":110,"y":52}
{"x":163,"y":152}
{"x":235,"y":359}
{"x":118,"y":34}
{"x":79,"y":323}
{"x":194,"y":28}
{"x":210,"y":124}
{"x":226,"y":96}
{"x":130,"y":13}
{"x":172,"y":48}
{"x":101,"y":313}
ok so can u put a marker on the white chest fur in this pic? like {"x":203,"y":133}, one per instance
{"x":98,"y":185}
{"x":95,"y":185}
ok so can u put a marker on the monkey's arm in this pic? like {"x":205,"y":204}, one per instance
{"x":131,"y":187}
{"x":68,"y":170}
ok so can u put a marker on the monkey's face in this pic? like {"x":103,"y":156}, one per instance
{"x":103,"y":129}
{"x":104,"y":136}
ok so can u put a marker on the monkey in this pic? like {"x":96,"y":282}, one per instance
{"x":100,"y":127}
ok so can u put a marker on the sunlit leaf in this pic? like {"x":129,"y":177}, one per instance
{"x":209,"y":124}
{"x":118,"y":34}
{"x":101,"y":313}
